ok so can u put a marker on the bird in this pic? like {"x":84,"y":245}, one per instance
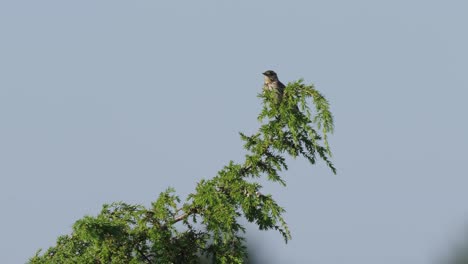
{"x":272,"y":83}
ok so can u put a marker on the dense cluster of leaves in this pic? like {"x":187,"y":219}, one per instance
{"x":207,"y":224}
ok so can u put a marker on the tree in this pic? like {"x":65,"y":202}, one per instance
{"x":206,"y":224}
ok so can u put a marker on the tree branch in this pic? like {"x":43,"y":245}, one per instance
{"x":144,"y":256}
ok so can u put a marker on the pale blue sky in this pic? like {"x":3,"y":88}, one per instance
{"x":104,"y":101}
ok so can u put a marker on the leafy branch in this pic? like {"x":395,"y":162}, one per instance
{"x":207,"y":223}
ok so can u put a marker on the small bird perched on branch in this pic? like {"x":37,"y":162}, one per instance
{"x":271,"y":83}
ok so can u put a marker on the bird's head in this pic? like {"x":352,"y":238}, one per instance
{"x":270,"y":76}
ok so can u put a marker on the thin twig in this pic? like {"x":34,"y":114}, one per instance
{"x":144,"y":256}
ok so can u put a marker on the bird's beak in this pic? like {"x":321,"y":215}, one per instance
{"x":264,"y":73}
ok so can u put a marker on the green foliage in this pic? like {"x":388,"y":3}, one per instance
{"x":207,"y":223}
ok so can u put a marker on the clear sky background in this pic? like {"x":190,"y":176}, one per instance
{"x":104,"y":101}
